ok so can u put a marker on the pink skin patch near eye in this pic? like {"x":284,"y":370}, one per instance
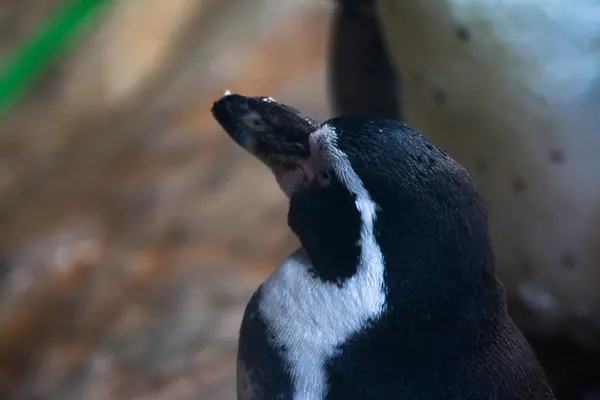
{"x":308,"y":171}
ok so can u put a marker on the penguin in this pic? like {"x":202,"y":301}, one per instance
{"x":393,"y":293}
{"x":510,"y":90}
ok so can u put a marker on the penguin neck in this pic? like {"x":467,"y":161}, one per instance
{"x":439,"y":273}
{"x":422,"y":294}
{"x":418,"y":274}
{"x":409,"y":309}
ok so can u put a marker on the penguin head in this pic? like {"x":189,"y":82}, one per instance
{"x":357,"y":180}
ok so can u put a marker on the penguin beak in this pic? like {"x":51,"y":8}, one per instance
{"x":274,"y":133}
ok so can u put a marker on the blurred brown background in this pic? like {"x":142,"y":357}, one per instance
{"x":132,"y":230}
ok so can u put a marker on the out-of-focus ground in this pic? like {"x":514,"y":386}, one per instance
{"x":132,"y":230}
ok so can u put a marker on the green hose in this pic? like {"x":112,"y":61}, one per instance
{"x":38,"y":51}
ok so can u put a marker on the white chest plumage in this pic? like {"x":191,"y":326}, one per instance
{"x":511,"y":88}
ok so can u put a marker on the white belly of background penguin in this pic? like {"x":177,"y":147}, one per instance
{"x":511,"y":89}
{"x":394,"y":293}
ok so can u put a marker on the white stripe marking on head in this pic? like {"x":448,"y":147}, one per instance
{"x":311,"y":318}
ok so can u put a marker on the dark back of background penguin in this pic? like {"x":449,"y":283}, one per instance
{"x":393,"y":294}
